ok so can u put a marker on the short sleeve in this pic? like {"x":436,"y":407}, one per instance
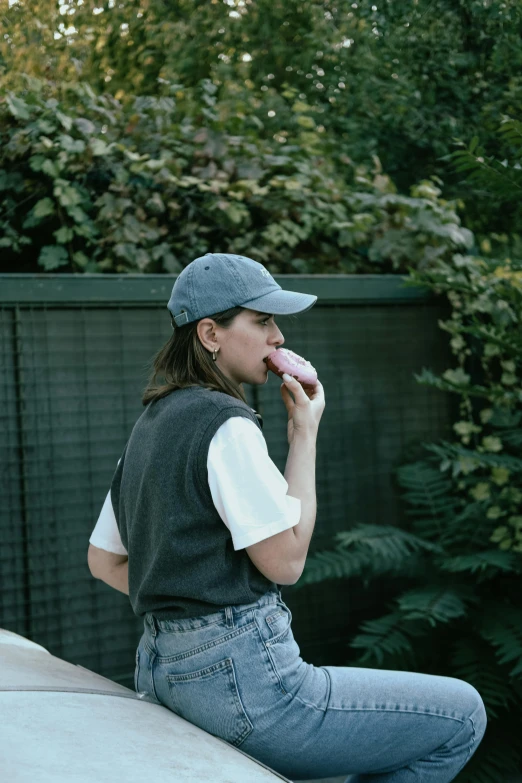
{"x":106,"y":534}
{"x":248,"y":490}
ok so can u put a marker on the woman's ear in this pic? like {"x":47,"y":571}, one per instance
{"x":206,"y":330}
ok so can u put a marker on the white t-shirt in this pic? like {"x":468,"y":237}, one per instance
{"x":248,"y":491}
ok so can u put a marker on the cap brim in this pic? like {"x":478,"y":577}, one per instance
{"x":281,"y":303}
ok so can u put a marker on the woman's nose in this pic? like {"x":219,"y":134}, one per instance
{"x":279,"y":339}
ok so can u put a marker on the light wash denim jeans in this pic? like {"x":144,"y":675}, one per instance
{"x":238,"y":674}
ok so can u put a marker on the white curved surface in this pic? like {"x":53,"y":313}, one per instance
{"x":33,"y":666}
{"x":62,"y":723}
{"x":9,"y":637}
{"x":88,"y":738}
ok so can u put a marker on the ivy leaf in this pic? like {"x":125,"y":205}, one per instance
{"x":77,"y":214}
{"x":67,"y":194}
{"x":236,"y":213}
{"x":45,"y":126}
{"x":85,"y":126}
{"x":18,"y":107}
{"x":69,"y":144}
{"x":50,"y":168}
{"x":36,"y":162}
{"x":63,"y":235}
{"x":458,"y":377}
{"x":100,"y":147}
{"x":141,"y":259}
{"x":171,"y":264}
{"x":80,"y":259}
{"x":65,"y":120}
{"x":52,"y":257}
{"x":41,"y":210}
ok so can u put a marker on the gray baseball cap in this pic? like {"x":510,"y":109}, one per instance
{"x":219,"y":281}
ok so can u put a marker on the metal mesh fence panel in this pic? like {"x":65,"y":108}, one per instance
{"x":72,"y":373}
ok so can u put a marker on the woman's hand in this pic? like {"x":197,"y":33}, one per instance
{"x":305,"y":407}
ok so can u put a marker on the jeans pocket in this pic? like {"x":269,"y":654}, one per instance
{"x":209,"y":698}
{"x":279,"y":621}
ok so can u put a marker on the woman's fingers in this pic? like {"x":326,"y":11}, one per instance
{"x":296,"y":389}
{"x":317,"y":392}
{"x":287,"y":399}
{"x":308,"y":405}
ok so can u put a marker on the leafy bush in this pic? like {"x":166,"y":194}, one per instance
{"x":460,"y":553}
{"x":88,"y":183}
{"x":496,"y":182}
{"x":399,"y":79}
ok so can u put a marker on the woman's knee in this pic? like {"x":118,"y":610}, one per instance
{"x":479,"y":716}
{"x":472,"y":709}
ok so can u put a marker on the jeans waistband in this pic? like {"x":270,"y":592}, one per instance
{"x":225,"y":615}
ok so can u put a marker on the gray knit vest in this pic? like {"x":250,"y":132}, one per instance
{"x":182,"y":562}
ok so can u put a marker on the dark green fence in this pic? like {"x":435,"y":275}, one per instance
{"x":74,"y":353}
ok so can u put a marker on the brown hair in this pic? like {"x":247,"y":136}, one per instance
{"x":183,"y":361}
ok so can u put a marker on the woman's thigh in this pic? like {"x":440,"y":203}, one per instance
{"x":379,"y":721}
{"x":336,"y":720}
{"x":243,"y":679}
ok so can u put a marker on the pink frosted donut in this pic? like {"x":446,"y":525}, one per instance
{"x":284,"y":360}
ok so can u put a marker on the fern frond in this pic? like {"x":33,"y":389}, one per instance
{"x":335,"y":565}
{"x":385,"y":541}
{"x":435,"y":604}
{"x":511,"y":131}
{"x":458,"y":529}
{"x":427,"y":489}
{"x":386,"y":636}
{"x":491,"y":560}
{"x":367,"y":551}
{"x":512,"y":437}
{"x":428,"y":378}
{"x":446,"y":450}
{"x":501,"y":178}
{"x":503,"y":630}
{"x":505,"y":418}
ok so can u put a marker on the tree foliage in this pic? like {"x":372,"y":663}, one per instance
{"x":400,"y":79}
{"x":91,"y":183}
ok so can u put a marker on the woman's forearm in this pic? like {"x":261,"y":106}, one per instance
{"x":109,"y":567}
{"x":118,"y":577}
{"x":300,"y":477}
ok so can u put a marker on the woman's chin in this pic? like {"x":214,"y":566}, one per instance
{"x":257,"y":379}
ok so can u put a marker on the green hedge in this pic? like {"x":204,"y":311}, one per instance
{"x":398,"y":79}
{"x":88,"y":183}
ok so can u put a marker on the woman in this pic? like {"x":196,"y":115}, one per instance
{"x":212,"y":530}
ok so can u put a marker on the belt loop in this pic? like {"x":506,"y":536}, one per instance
{"x":152,"y":624}
{"x":229,"y":614}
